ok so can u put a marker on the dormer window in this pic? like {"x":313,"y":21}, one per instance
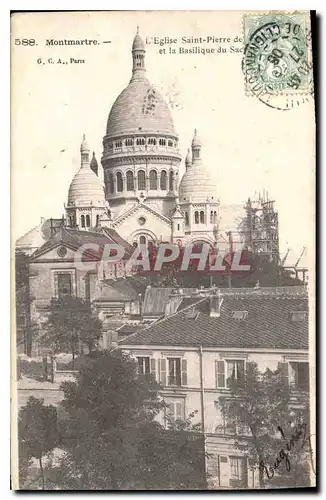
{"x":239,"y":315}
{"x":192,"y":314}
{"x":299,"y":316}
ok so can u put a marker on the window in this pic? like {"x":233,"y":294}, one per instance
{"x":171,"y":181}
{"x":119,"y":182}
{"x":238,"y":472}
{"x":82,"y":221}
{"x":211,"y":218}
{"x":175,"y":409}
{"x":130,"y":181}
{"x":142,"y":240}
{"x":97,"y":220}
{"x":235,"y":370}
{"x":186,"y":218}
{"x":177,"y":371}
{"x":141,"y":180}
{"x":178,"y":227}
{"x":140,"y":141}
{"x":111,"y":183}
{"x":295,"y":374}
{"x":299,"y":316}
{"x":118,"y":144}
{"x":153,"y":180}
{"x":146,"y":365}
{"x":202,"y":217}
{"x":88,"y":221}
{"x":152,"y":141}
{"x":128,"y":142}
{"x":162,"y":142}
{"x":170,"y":143}
{"x":228,"y":370}
{"x":64,"y":284}
{"x":196,"y":217}
{"x":215,"y":217}
{"x":299,"y":375}
{"x":163,"y":180}
{"x":239,"y":315}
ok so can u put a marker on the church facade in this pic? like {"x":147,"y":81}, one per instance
{"x":145,"y":200}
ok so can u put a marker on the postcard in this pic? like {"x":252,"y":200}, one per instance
{"x":163,"y":276}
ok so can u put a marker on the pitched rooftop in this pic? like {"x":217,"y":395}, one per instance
{"x":267,"y":323}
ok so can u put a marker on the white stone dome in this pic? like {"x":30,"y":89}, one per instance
{"x":86,"y":188}
{"x":197,"y":185}
{"x":140,"y":109}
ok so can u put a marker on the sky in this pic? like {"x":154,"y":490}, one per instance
{"x":248,"y":146}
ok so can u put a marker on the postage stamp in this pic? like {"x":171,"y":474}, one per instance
{"x":277,"y":62}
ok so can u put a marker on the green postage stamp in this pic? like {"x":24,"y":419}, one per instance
{"x":277,"y":61}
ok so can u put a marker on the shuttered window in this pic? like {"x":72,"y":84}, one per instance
{"x":220,"y":374}
{"x":162,"y":369}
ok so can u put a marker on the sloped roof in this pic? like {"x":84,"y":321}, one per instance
{"x":268,"y":324}
{"x":76,"y":238}
{"x":38,"y":235}
{"x":156,"y":299}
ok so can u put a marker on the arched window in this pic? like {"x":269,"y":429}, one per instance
{"x":88,"y":221}
{"x":196,"y":217}
{"x":163,"y":180}
{"x":211,"y":218}
{"x":130,"y":181}
{"x":171,"y":181}
{"x":162,"y":142}
{"x":111,"y":183}
{"x":186,"y":218}
{"x":119,"y":182}
{"x":82,"y":220}
{"x":135,"y":244}
{"x":202,"y":217}
{"x":215,"y":217}
{"x":152,"y":141}
{"x":128,"y":142}
{"x":142,"y":240}
{"x":153,"y":180}
{"x":70,"y":221}
{"x":141,"y":180}
{"x":97,"y":220}
{"x":140,"y":141}
{"x":170,"y":143}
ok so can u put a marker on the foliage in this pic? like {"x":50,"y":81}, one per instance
{"x":71,"y":322}
{"x":258,"y":407}
{"x":111,"y":436}
{"x":37,"y":432}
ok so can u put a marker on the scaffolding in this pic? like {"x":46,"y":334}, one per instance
{"x":259,"y":228}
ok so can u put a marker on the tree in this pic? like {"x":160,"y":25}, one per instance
{"x":111,"y":436}
{"x":71,"y":323}
{"x":37,"y":432}
{"x":269,"y":427}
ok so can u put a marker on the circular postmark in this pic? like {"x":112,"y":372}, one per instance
{"x":277,"y":62}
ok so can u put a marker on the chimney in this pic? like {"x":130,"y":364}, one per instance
{"x":215,"y":304}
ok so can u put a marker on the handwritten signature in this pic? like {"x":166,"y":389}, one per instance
{"x":300,"y":434}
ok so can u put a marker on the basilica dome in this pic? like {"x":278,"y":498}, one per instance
{"x":86,"y":187}
{"x":140,"y":109}
{"x":197,"y":184}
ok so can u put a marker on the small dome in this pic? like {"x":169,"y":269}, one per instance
{"x":197,"y":184}
{"x":140,"y":109}
{"x":86,"y":188}
{"x":138,"y":43}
